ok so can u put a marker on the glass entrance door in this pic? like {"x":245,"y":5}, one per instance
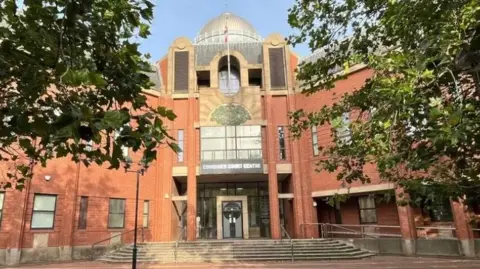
{"x":232,"y":219}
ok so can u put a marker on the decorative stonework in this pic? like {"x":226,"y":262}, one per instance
{"x":230,"y":114}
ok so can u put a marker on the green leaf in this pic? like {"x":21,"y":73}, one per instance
{"x":144,"y":30}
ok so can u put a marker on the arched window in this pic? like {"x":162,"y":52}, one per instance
{"x":223,"y":76}
{"x":234,"y":86}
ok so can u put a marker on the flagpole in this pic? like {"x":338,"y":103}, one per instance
{"x":228,"y":52}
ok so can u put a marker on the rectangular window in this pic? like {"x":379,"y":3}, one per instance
{"x":116,"y":213}
{"x":180,"y":139}
{"x":43,"y":216}
{"x":146,"y":210}
{"x":82,"y":217}
{"x":89,"y":145}
{"x":441,"y":211}
{"x":368,"y":212}
{"x":314,"y":140}
{"x":231,"y":142}
{"x":281,"y":143}
{"x":124,"y":148}
{"x":343,"y":131}
{"x":2,"y":197}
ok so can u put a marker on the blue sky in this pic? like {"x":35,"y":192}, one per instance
{"x":176,"y":18}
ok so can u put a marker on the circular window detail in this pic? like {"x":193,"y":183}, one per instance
{"x":230,"y":114}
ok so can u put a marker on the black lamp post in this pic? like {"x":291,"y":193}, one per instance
{"x":141,"y":171}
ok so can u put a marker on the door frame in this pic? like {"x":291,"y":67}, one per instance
{"x":220,"y":200}
{"x":223,"y":219}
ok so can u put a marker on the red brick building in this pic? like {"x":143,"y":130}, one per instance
{"x":240,"y":175}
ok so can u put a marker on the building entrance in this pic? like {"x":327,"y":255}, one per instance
{"x":232,"y":219}
{"x":213,"y":201}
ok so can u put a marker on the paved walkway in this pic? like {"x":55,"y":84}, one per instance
{"x":374,"y":263}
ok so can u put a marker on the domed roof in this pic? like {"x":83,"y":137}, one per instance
{"x":239,"y":30}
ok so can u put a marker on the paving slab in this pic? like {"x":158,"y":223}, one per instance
{"x":372,"y":263}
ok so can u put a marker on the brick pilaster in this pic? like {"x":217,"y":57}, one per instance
{"x":463,"y":230}
{"x":272,"y":171}
{"x":407,"y":222}
{"x":192,"y":175}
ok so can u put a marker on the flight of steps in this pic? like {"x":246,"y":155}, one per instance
{"x":241,"y":250}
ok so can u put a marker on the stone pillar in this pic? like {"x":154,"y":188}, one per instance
{"x":407,"y":222}
{"x":166,"y":157}
{"x":296,"y":180}
{"x":272,"y":171}
{"x":463,"y":229}
{"x":192,"y":173}
{"x":14,"y":203}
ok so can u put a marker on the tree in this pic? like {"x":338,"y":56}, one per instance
{"x":419,"y":113}
{"x":71,"y":73}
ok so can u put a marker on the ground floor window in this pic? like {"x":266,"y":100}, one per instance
{"x":116,"y":213}
{"x":441,"y":211}
{"x":368,"y":211}
{"x":43,"y":215}
{"x":2,"y":196}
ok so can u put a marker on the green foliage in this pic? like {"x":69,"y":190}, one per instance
{"x":419,"y":114}
{"x":70,"y":73}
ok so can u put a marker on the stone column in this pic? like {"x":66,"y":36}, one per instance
{"x":463,"y":229}
{"x":272,"y":171}
{"x":192,"y":173}
{"x":407,"y":222}
{"x":166,"y":210}
{"x":297,"y":180}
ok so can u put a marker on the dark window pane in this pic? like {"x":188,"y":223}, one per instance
{"x":82,"y":219}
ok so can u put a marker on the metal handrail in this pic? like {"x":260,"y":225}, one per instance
{"x":290,"y":239}
{"x":104,"y":240}
{"x":425,"y":228}
{"x":178,"y":240}
{"x":325,"y":226}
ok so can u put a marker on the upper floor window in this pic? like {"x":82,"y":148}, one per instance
{"x":315,"y":141}
{"x":343,"y":132}
{"x":117,"y":134}
{"x":229,"y":78}
{"x":281,"y":143}
{"x":180,"y":140}
{"x":231,"y":142}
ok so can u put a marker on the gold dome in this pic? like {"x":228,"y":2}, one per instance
{"x":239,"y":30}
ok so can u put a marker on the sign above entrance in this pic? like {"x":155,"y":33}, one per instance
{"x":231,"y":167}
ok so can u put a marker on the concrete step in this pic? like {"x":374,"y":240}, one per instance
{"x":219,"y":246}
{"x":245,"y":253}
{"x":284,"y":258}
{"x":231,"y":251}
{"x":352,"y":251}
{"x":238,"y":249}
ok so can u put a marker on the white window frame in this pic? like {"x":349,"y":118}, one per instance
{"x":36,"y":212}
{"x":146,"y":213}
{"x":343,"y":132}
{"x":315,"y":149}
{"x":109,"y":225}
{"x":363,"y":210}
{"x":181,"y":145}
{"x":2,"y":204}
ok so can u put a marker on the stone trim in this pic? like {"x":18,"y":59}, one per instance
{"x":220,"y":200}
{"x":354,"y":190}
